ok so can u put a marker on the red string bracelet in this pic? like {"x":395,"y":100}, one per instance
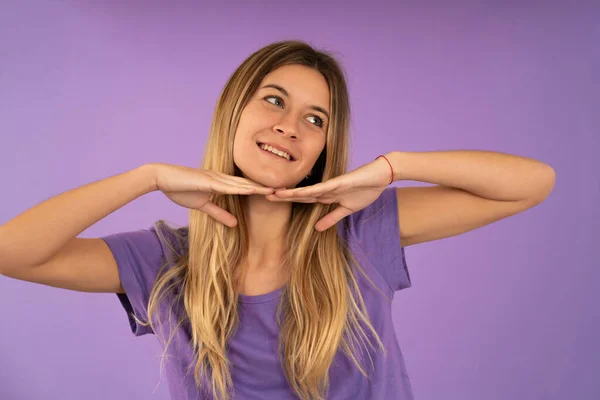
{"x":390,"y":164}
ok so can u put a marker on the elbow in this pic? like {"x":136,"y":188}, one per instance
{"x":545,"y":185}
{"x":549,"y":182}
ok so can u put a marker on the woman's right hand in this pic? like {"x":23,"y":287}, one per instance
{"x":192,"y":188}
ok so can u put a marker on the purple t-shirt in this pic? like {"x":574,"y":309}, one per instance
{"x":373,"y":235}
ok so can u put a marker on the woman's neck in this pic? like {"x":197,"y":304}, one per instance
{"x":268,"y":223}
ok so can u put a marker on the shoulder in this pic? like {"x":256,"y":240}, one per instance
{"x":378,"y":218}
{"x":373,"y":235}
{"x":150,"y":247}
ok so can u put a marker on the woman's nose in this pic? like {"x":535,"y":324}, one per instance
{"x":287,"y":127}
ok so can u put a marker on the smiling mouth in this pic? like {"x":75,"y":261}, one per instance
{"x":275,"y":152}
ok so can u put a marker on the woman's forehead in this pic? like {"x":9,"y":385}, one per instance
{"x":300,"y":82}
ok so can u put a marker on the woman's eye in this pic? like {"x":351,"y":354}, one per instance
{"x":277,"y":101}
{"x":317,"y":120}
{"x":274,"y":100}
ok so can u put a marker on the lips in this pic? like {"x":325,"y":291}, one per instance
{"x":277,"y":147}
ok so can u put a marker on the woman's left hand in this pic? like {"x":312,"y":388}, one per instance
{"x":353,"y":191}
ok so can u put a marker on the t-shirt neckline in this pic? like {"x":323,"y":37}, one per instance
{"x":261,"y":298}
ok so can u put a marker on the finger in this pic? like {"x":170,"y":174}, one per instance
{"x":229,"y":178}
{"x":327,"y":199}
{"x":218,"y":186}
{"x":332,"y":218}
{"x":309,"y":191}
{"x":237,"y":179}
{"x":249,"y":189}
{"x":239,"y":182}
{"x":292,"y":199}
{"x":260,"y":189}
{"x":228,"y":187}
{"x":219,"y":214}
{"x":289,"y":193}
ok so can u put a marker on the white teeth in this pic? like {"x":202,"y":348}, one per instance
{"x":275,"y":151}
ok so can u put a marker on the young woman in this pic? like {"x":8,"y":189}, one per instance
{"x":281,"y":285}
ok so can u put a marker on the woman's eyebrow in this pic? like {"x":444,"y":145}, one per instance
{"x":285,"y":92}
{"x":274,"y":86}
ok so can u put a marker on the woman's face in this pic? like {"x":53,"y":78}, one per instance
{"x":289,"y":112}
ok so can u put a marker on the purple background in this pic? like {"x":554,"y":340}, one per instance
{"x":91,"y":89}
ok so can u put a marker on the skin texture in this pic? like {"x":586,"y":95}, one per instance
{"x":292,"y":122}
{"x":480,"y":186}
{"x":271,"y":116}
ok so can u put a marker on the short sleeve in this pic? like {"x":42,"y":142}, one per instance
{"x":139,"y":256}
{"x":376,"y":231}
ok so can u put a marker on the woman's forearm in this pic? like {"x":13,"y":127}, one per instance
{"x":37,"y":234}
{"x":492,"y":175}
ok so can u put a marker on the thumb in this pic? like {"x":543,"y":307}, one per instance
{"x":332,"y":218}
{"x":219,"y":214}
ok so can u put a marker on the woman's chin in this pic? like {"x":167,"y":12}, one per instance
{"x":274,"y":182}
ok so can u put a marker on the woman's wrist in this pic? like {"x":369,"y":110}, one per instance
{"x":149,"y":173}
{"x":391,"y":169}
{"x":391,"y":163}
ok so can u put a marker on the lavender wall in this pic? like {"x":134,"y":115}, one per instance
{"x":510,"y":311}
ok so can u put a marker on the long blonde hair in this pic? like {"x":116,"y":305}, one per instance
{"x":321,"y":307}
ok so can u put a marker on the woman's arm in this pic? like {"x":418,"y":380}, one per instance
{"x":40,"y":245}
{"x":36,"y":235}
{"x":473,"y":189}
